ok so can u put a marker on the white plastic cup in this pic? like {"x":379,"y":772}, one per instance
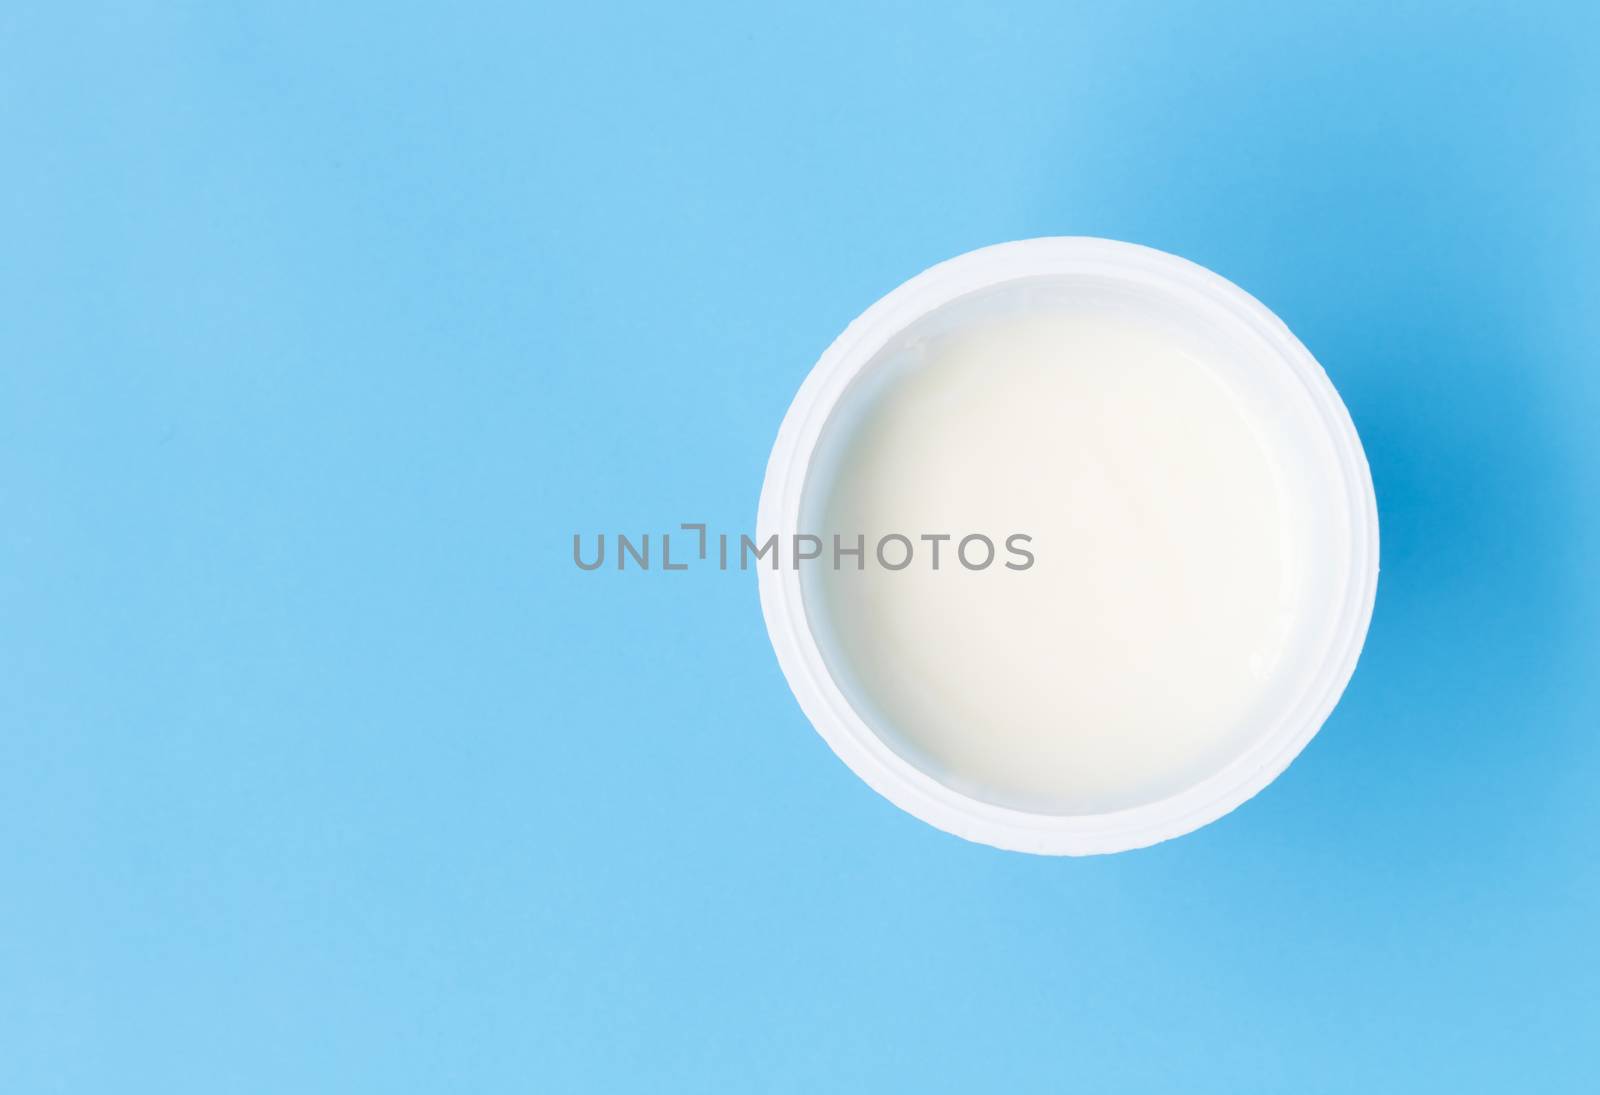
{"x":1333,"y":473}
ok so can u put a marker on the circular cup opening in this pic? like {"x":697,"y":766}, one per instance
{"x":1097,"y":546}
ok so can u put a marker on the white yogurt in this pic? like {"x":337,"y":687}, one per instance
{"x":1118,"y":668}
{"x":1202,"y":538}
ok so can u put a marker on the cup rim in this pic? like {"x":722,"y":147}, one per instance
{"x":845,"y":730}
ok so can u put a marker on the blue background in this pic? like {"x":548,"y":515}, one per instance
{"x":323,"y":327}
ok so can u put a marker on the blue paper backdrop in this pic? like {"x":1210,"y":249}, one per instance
{"x":323,"y":326}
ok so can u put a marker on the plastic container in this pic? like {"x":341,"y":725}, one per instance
{"x":1325,"y":473}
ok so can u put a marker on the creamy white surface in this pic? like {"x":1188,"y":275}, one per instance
{"x":1123,"y":665}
